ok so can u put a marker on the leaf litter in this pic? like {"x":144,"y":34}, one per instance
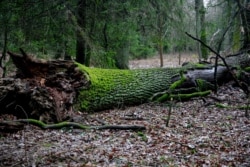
{"x":199,"y":134}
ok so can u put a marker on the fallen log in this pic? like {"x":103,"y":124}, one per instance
{"x":51,"y":91}
{"x":60,"y":125}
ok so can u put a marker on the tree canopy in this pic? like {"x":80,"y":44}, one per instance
{"x":109,"y":33}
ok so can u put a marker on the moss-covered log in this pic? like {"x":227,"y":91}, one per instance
{"x":111,"y":88}
{"x":52,"y":90}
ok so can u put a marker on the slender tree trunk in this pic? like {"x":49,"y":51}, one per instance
{"x":197,"y":20}
{"x":245,"y":16}
{"x":5,"y":42}
{"x":80,"y":42}
{"x":200,"y":28}
{"x":203,"y":34}
{"x":161,"y":36}
{"x":160,"y":30}
{"x":3,"y":57}
{"x":105,"y":36}
{"x":161,"y":54}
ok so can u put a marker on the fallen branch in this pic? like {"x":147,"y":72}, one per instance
{"x":241,"y":85}
{"x":60,"y":125}
{"x":243,"y":107}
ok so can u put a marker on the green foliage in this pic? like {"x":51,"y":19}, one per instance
{"x":203,"y":85}
{"x":143,"y":136}
{"x":115,"y":31}
{"x":103,"y":59}
{"x":140,"y":48}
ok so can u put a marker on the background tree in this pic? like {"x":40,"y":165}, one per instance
{"x":109,"y":33}
{"x":245,"y":18}
{"x":80,"y":42}
{"x":223,"y":27}
{"x":162,"y":19}
{"x":201,"y":28}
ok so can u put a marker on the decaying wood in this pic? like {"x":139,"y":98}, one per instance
{"x":10,"y":127}
{"x":43,"y":90}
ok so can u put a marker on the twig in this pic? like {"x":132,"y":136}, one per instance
{"x":133,"y":118}
{"x":217,"y":54}
{"x":3,"y":97}
{"x":169,"y":112}
{"x":120,"y":127}
{"x":247,"y":111}
{"x":1,"y":65}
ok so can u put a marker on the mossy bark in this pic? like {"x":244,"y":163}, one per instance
{"x":111,"y":88}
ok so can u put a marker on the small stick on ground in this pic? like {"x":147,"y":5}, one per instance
{"x":169,"y":112}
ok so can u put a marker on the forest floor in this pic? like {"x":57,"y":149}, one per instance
{"x":199,"y":134}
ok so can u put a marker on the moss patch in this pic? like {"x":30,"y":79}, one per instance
{"x":114,"y":88}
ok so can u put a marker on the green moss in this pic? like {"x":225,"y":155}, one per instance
{"x":143,"y":136}
{"x":53,"y":126}
{"x":190,"y":95}
{"x":112,"y":88}
{"x":219,"y":105}
{"x":203,"y":85}
{"x":166,"y":96}
{"x":104,"y":82}
{"x":177,"y":83}
{"x":180,"y":97}
{"x":203,"y":89}
{"x":163,"y":98}
{"x":200,"y":66}
{"x":196,"y":66}
{"x":247,"y":69}
{"x":115,"y":88}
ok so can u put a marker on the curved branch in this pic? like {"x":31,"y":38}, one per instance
{"x":224,"y":62}
{"x":60,"y":125}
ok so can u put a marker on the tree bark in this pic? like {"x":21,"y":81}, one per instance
{"x":52,"y":90}
{"x":245,"y":16}
{"x":201,"y":28}
{"x":80,"y":41}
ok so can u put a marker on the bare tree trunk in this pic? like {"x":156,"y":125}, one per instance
{"x":161,"y":36}
{"x":200,"y":28}
{"x":198,"y":24}
{"x":80,"y":42}
{"x":161,"y":54}
{"x":245,"y":16}
{"x":203,"y":34}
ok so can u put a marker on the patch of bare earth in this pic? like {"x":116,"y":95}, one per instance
{"x":199,"y":134}
{"x":170,"y":60}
